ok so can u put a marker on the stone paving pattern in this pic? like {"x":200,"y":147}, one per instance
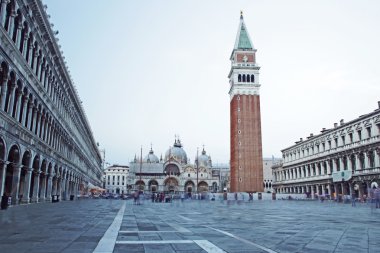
{"x":280,"y":226}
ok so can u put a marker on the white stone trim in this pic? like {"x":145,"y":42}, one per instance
{"x":244,"y":90}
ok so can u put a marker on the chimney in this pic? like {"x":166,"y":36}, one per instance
{"x":301,"y":139}
{"x":378,"y":104}
{"x":311,"y":135}
{"x":341,"y":122}
{"x":323,"y":130}
{"x":335,"y":125}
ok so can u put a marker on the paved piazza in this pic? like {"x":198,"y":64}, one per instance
{"x":192,"y":226}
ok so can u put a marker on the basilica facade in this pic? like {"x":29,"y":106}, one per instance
{"x":173,"y":172}
{"x":46,"y":144}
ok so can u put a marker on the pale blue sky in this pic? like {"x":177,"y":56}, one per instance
{"x":147,"y":70}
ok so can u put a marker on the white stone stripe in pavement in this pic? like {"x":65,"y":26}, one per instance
{"x":208,"y":246}
{"x":204,"y":244}
{"x":155,"y":242}
{"x":141,"y":232}
{"x":107,"y":243}
{"x":179,"y":228}
{"x":185,"y":218}
{"x":243,"y":240}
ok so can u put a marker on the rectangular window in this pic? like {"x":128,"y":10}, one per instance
{"x":359,"y":135}
{"x":369,"y":132}
{"x":343,"y":140}
{"x":329,"y":142}
{"x":323,"y":146}
{"x":351,"y":138}
{"x":336,"y":142}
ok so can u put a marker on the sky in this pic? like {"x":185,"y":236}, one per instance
{"x":149,"y":70}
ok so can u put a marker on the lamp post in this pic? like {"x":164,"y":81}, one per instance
{"x":197,"y":164}
{"x":140,"y":168}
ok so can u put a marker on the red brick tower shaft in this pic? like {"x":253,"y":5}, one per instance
{"x":246,"y":146}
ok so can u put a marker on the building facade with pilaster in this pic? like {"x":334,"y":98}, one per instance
{"x":343,"y":160}
{"x":46,"y":144}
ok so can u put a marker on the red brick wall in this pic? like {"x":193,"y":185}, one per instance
{"x":251,"y":161}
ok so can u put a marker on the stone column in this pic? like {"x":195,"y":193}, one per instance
{"x":55,"y":185}
{"x":18,"y":106}
{"x":351,"y":187}
{"x":25,"y":45}
{"x":323,"y":189}
{"x":26,"y":193}
{"x":377,"y":158}
{"x":38,"y":124}
{"x":2,"y":177}
{"x":4,"y":88}
{"x":312,"y":192}
{"x":366,"y":160}
{"x":43,"y":188}
{"x":329,"y":189}
{"x":11,"y":22}
{"x":328,"y":167}
{"x":11,"y":99}
{"x":35,"y":56}
{"x":30,"y":60}
{"x":42,"y":128}
{"x":67,"y":188}
{"x":30,"y":111}
{"x":15,"y":184}
{"x":357,"y":162}
{"x":34,"y":123}
{"x":49,"y":190}
{"x":349,"y":165}
{"x":18,"y":33}
{"x":3,"y":14}
{"x":36,"y":187}
{"x":24,"y":109}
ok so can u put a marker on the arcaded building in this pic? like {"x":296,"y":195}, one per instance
{"x":46,"y":143}
{"x":245,"y":119}
{"x":343,"y":160}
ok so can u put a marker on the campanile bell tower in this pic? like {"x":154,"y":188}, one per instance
{"x":246,"y":148}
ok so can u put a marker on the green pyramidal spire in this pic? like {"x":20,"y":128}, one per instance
{"x":242,"y":39}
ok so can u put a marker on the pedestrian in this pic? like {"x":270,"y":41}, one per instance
{"x":236,"y":196}
{"x":353,"y":199}
{"x":377,"y":197}
{"x":182,"y":196}
{"x":153,"y":196}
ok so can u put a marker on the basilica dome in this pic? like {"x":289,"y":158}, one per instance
{"x":151,"y":157}
{"x":176,"y":152}
{"x":203,"y":160}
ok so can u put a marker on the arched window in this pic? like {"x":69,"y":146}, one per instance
{"x":252,"y":78}
{"x":239,"y":78}
{"x":243,"y":78}
{"x":248,"y":79}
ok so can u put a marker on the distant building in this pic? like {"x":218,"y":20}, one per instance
{"x":267,"y":171}
{"x":174,"y":173}
{"x":245,"y":119}
{"x":343,"y":160}
{"x":116,"y":179}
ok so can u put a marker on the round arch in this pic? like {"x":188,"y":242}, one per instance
{"x":153,"y":185}
{"x":202,"y":186}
